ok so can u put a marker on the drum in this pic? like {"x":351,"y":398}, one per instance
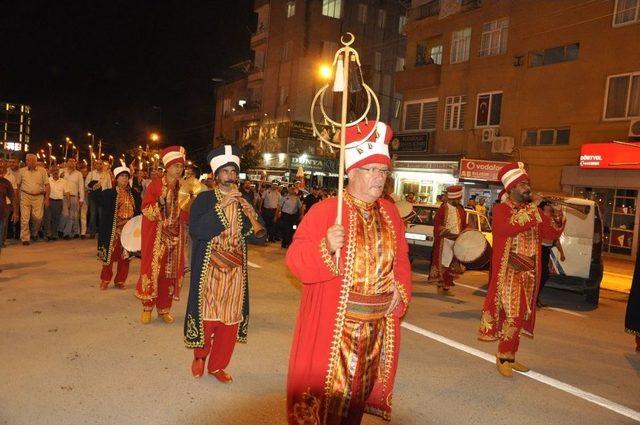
{"x":131,"y":237}
{"x":472,"y":249}
{"x":405,"y":209}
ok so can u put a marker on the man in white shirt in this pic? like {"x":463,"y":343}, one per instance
{"x":270,"y":204}
{"x":96,"y":181}
{"x":33,"y":185}
{"x":53,"y":214}
{"x":73,"y":199}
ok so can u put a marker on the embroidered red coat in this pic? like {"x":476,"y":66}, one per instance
{"x":507,"y":223}
{"x":320,"y":307}
{"x":152,"y":216}
{"x":439,"y":224}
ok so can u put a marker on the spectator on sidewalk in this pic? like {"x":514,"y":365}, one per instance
{"x":6,"y":192}
{"x":73,"y":199}
{"x":288,"y":215}
{"x":34,"y":198}
{"x":11,"y":229}
{"x":53,"y":214}
{"x":84,"y":207}
{"x":96,"y":181}
{"x":270,"y":203}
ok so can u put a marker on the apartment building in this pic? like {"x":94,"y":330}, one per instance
{"x":535,"y":81}
{"x":293,"y":40}
{"x":15,"y":128}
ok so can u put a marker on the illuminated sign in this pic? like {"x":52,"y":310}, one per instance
{"x":477,"y":169}
{"x":612,"y":156}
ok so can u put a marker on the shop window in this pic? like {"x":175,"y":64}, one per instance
{"x":626,"y":12}
{"x":553,"y":55}
{"x":455,"y":108}
{"x":460,"y":43}
{"x":494,"y":37}
{"x":488,"y":109}
{"x":623,"y":96}
{"x":420,"y":115}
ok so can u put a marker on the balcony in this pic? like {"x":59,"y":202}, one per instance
{"x":427,"y":10}
{"x":251,"y":110}
{"x":255,"y":78}
{"x":418,"y":78}
{"x":260,"y":36}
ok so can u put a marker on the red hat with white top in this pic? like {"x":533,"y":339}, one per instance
{"x":374,"y":150}
{"x":454,"y":192}
{"x":172,"y":155}
{"x":512,"y":174}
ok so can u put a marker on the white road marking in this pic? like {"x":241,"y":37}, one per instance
{"x":560,"y":310}
{"x":254,"y":265}
{"x":590,"y":397}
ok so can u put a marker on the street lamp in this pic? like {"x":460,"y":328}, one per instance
{"x":325,"y":72}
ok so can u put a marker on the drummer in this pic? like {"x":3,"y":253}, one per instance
{"x":449,"y":222}
{"x":119,"y":205}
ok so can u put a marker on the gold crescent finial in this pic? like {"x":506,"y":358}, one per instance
{"x":350,"y":42}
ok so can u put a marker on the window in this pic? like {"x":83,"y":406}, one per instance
{"x":420,"y":115}
{"x":329,"y":49}
{"x":455,"y":108}
{"x":402,"y":21}
{"x":546,"y":136}
{"x":382,"y":18}
{"x":362,"y":13}
{"x":258,"y":61}
{"x":332,"y":8}
{"x":436,"y":54}
{"x":284,"y":95}
{"x":226,"y":106}
{"x":626,"y":12}
{"x":494,"y":37}
{"x":554,"y":55}
{"x":377,"y":64}
{"x":291,"y":9}
{"x":399,"y":64}
{"x":286,"y":51}
{"x":460,"y":42}
{"x":623,"y":96}
{"x":396,"y":108}
{"x":488,"y":109}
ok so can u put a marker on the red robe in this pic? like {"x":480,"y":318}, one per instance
{"x":507,"y":223}
{"x":436,"y":271}
{"x":150,"y":267}
{"x":319,"y":309}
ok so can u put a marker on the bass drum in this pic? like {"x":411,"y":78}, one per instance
{"x":472,"y":249}
{"x":406,"y":210}
{"x":131,"y":237}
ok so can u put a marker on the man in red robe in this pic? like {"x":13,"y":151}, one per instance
{"x":510,"y":305}
{"x":163,"y":237}
{"x":449,"y":222}
{"x":347,"y":335}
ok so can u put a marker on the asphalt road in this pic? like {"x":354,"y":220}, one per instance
{"x":72,"y":354}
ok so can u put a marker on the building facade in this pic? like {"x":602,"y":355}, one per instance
{"x":293,"y":40}
{"x":523,"y":80}
{"x":15,"y":129}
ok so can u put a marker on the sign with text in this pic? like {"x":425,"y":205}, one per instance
{"x":612,"y":156}
{"x":478,"y":169}
{"x":410,"y":143}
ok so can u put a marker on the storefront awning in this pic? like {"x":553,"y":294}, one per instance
{"x":614,"y":156}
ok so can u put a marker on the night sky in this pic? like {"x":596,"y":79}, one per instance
{"x":120,"y":68}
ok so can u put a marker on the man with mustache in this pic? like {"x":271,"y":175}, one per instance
{"x":346,"y":340}
{"x":510,"y":305}
{"x":218,"y":307}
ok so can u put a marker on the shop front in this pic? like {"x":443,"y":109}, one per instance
{"x":480,"y":178}
{"x":609,"y":174}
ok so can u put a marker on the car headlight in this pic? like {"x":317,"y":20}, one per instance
{"x":416,"y":236}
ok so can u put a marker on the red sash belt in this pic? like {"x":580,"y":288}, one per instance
{"x":367,"y":308}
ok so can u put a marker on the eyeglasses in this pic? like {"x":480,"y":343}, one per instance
{"x":384,"y":172}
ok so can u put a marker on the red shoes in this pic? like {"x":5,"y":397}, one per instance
{"x":104,"y":284}
{"x":197,"y":368}
{"x":221,"y":376}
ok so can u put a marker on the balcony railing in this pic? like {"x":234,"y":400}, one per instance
{"x":425,"y":11}
{"x":418,"y":78}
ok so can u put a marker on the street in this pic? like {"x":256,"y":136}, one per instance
{"x":73,"y":354}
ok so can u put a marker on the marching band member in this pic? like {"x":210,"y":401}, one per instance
{"x":449,"y":222}
{"x":510,"y":304}
{"x":221,"y":223}
{"x":163,"y":238}
{"x":346,"y":340}
{"x":119,"y":205}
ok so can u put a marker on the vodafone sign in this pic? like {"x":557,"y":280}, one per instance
{"x":477,"y":169}
{"x":616,"y":156}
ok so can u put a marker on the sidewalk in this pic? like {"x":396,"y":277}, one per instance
{"x":617,"y":274}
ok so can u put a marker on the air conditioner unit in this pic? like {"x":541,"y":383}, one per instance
{"x":502,"y":145}
{"x":488,"y":134}
{"x":634,"y":128}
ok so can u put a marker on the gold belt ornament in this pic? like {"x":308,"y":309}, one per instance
{"x":367,"y":308}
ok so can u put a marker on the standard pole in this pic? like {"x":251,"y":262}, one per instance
{"x":343,"y":137}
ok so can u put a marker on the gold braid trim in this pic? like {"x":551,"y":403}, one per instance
{"x":158,"y":251}
{"x":389,"y":338}
{"x":328,"y":260}
{"x":347,"y":283}
{"x":192,"y":326}
{"x":631,"y":331}
{"x":113,"y":231}
{"x":403,"y":293}
{"x":152,"y":212}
